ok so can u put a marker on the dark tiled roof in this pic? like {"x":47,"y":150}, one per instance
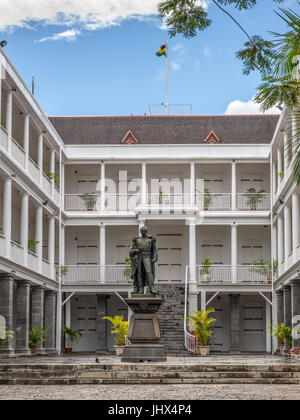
{"x":255,"y":129}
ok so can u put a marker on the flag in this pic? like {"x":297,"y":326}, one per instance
{"x":162,"y":50}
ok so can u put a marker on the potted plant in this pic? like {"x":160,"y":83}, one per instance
{"x":205,"y":270}
{"x":70,"y":335}
{"x":53,"y":175}
{"x":127,"y":270}
{"x":161,"y":199}
{"x":36,"y":335}
{"x":202,"y":325}
{"x":89,"y":200}
{"x":207,"y":199}
{"x":283,"y":335}
{"x":64,"y":270}
{"x":32,"y":242}
{"x":266,"y":268}
{"x":254,"y":197}
{"x":297,"y":349}
{"x":120,"y":328}
{"x":5,"y":336}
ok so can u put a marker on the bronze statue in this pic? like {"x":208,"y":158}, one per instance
{"x":143,"y":255}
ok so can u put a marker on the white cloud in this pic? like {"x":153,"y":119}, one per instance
{"x":207,"y":51}
{"x":175,"y":65}
{"x":238,"y":107}
{"x":70,"y":35}
{"x":177,"y":47}
{"x":88,"y":14}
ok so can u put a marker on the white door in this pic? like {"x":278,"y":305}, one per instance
{"x":214,"y":183}
{"x":213,"y":249}
{"x":122,"y":252}
{"x":251,"y":181}
{"x":169,"y":267}
{"x":87,"y":185}
{"x":84,"y":318}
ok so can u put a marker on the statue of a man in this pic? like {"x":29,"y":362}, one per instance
{"x":147,"y":259}
{"x":134,"y":253}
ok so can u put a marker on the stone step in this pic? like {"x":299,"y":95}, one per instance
{"x":161,"y":381}
{"x":144,"y":367}
{"x":146,"y":375}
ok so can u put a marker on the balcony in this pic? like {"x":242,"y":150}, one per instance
{"x":213,"y":202}
{"x":93,"y":275}
{"x":228,"y":274}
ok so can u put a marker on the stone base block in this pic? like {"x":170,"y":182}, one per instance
{"x":23,"y":351}
{"x":144,"y":353}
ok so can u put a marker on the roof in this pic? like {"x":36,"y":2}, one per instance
{"x":230,"y":129}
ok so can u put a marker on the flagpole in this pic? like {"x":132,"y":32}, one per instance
{"x":167,"y":77}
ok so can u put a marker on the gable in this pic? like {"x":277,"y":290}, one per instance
{"x":129,"y":138}
{"x":212,"y":138}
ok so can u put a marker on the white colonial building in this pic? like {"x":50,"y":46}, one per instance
{"x":74,"y":191}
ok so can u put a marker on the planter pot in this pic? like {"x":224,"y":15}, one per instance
{"x":205,"y":208}
{"x":203,"y":350}
{"x":270,"y":280}
{"x":297,"y":351}
{"x":68,"y":350}
{"x":119,"y":350}
{"x":206,"y":278}
{"x":253,"y":208}
{"x":33,"y":350}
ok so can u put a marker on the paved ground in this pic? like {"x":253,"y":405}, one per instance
{"x":241,"y":359}
{"x":152,"y":392}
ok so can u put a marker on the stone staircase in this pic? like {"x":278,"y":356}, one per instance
{"x":72,"y":374}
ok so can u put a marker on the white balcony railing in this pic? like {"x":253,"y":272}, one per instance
{"x":254,"y":201}
{"x":3,"y":137}
{"x":96,"y":275}
{"x":214,"y":201}
{"x":129,"y":202}
{"x":47,"y":186}
{"x":17,"y":152}
{"x":34,"y":170}
{"x":228,"y":274}
{"x":17,"y":252}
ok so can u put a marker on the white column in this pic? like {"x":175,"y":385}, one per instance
{"x":62,"y":186}
{"x":274,"y":177}
{"x":39,"y":235}
{"x":144,"y":183}
{"x":62,"y":244}
{"x":295,"y":120}
{"x":102,"y":250}
{"x":9,"y":120}
{"x":268,"y":322}
{"x":1,"y":77}
{"x":285,"y":153}
{"x":40,"y":156}
{"x":193,"y":292}
{"x":102,"y":187}
{"x":203,"y":300}
{"x":279,"y":167}
{"x":233,"y":185}
{"x":192,"y":186}
{"x":68,"y":313}
{"x":287,"y":233}
{"x":7,"y":187}
{"x":26,"y":139}
{"x":51,"y":244}
{"x":24,"y":226}
{"x":296,"y":221}
{"x":275,"y":241}
{"x":280,"y":241}
{"x":52,"y":170}
{"x":234,"y":253}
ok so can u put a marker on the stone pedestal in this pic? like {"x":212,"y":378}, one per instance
{"x":144,"y":331}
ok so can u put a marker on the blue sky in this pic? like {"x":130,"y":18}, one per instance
{"x":93,"y":58}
